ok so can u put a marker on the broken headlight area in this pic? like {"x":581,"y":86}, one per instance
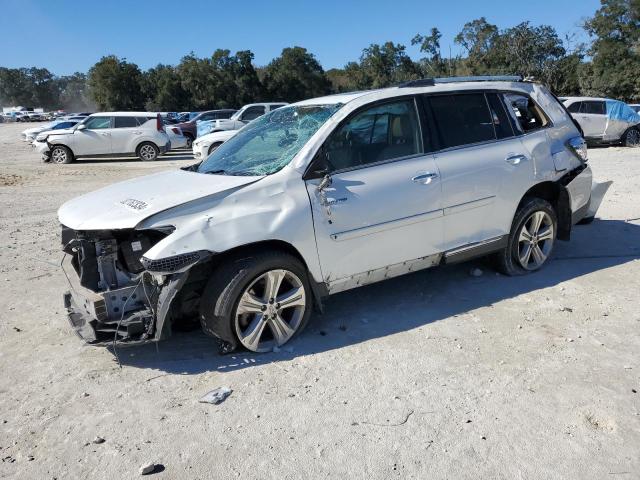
{"x":113,"y":295}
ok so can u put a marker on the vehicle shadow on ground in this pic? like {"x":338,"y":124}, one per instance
{"x":403,"y":303}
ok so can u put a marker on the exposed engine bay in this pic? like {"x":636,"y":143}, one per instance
{"x":116,"y":295}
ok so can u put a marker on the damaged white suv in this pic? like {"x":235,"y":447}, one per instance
{"x":323,"y":196}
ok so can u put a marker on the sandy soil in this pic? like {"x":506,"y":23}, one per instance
{"x":434,"y":375}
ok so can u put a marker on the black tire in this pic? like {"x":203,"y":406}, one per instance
{"x":189,"y":141}
{"x":61,"y":155}
{"x":507,"y":259}
{"x":227,"y":284}
{"x":148,"y":152}
{"x":214,"y":147}
{"x":631,"y":138}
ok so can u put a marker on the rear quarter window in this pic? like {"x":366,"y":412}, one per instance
{"x":526,"y":116}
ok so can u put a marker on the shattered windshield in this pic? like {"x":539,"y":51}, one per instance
{"x":268,"y":143}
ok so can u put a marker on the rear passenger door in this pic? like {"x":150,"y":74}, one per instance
{"x":484,"y":167}
{"x":593,"y":118}
{"x":125,"y":129}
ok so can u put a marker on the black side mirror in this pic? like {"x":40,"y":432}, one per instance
{"x":320,"y":166}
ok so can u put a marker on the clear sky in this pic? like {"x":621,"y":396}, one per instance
{"x":71,"y":35}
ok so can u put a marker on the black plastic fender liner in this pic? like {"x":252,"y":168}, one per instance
{"x":563,"y":210}
{"x":167,"y":293}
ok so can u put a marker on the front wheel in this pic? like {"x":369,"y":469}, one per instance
{"x":61,"y":154}
{"x":632,"y":138}
{"x":531,"y":240}
{"x":148,"y":152}
{"x":258,"y":301}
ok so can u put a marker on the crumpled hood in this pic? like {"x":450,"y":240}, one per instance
{"x":126,"y":204}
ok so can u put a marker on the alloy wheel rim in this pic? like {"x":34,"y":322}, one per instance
{"x":147,"y":152}
{"x":535,"y":240}
{"x":633,"y":138}
{"x":270,"y":310}
{"x":59,"y":155}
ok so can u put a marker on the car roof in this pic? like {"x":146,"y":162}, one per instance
{"x":390,"y":92}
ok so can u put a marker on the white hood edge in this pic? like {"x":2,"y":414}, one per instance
{"x":125,"y":204}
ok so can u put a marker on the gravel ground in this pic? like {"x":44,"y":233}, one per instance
{"x":439,"y":374}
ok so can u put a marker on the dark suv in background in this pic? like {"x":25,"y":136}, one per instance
{"x":189,"y":129}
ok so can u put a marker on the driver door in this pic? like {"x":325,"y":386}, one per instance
{"x":383,"y":205}
{"x":95,"y":138}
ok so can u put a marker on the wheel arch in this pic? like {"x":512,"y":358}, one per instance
{"x":557,"y":195}
{"x":60,"y":144}
{"x":319,"y":289}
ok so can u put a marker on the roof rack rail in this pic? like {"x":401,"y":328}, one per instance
{"x":423,"y":82}
{"x":430,"y":82}
{"x":480,"y":78}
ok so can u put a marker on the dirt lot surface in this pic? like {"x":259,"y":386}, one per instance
{"x":439,"y":374}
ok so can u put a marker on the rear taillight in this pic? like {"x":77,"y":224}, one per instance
{"x":175,"y":130}
{"x":159,"y":124}
{"x":578,"y":146}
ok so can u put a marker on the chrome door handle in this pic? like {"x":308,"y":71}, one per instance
{"x":516,"y":159}
{"x":105,"y":134}
{"x":424,"y":178}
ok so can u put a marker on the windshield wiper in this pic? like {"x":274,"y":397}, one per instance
{"x":216,"y":172}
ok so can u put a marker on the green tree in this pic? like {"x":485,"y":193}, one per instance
{"x":295,"y":75}
{"x":615,"y":65}
{"x":115,"y":84}
{"x":163,"y":90}
{"x":478,"y":38}
{"x":381,"y":66}
{"x":432,"y":64}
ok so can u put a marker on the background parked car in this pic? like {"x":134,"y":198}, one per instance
{"x":239,"y":119}
{"x":189,"y":127}
{"x":605,"y":121}
{"x":110,"y":134}
{"x":205,"y":145}
{"x":635,"y":107}
{"x":178,"y":140}
{"x":30,"y":134}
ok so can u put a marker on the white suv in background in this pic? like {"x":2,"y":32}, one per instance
{"x":605,"y":121}
{"x":243,"y":116}
{"x":323,"y":196}
{"x":113,"y":134}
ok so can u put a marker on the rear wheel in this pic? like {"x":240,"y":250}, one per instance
{"x":632,"y":138}
{"x":214,"y":146}
{"x":61,"y":154}
{"x":148,"y":152}
{"x":532,"y":238}
{"x":189,"y":141}
{"x":259,"y":301}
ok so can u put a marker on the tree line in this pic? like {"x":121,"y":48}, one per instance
{"x":608,"y":65}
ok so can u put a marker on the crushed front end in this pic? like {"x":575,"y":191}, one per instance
{"x":116,"y":295}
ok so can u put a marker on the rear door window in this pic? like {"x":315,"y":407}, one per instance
{"x":501,"y":121}
{"x":593,"y":107}
{"x":526,"y":116}
{"x":574,"y":107}
{"x":462,"y":119}
{"x":125,"y":122}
